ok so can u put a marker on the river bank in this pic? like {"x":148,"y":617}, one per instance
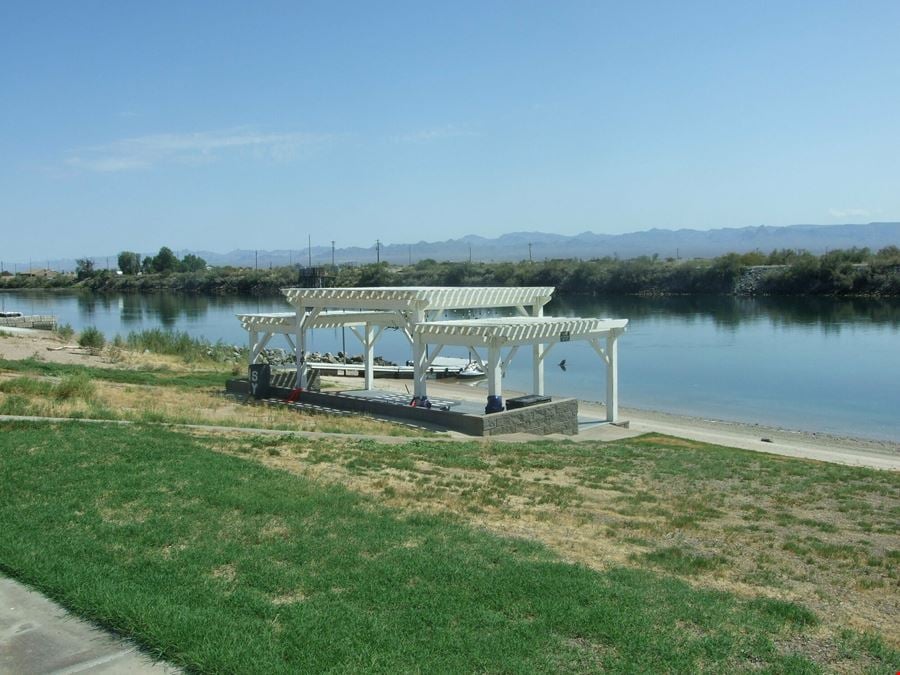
{"x":23,"y":344}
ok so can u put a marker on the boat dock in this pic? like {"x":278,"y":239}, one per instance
{"x":443,"y":367}
{"x":18,"y":320}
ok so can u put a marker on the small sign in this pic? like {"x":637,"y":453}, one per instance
{"x":564,"y":336}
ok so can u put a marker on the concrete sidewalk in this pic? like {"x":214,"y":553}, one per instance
{"x":39,"y":636}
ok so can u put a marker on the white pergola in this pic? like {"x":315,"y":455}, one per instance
{"x":416,"y":311}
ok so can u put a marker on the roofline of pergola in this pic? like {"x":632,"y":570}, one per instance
{"x":516,"y":331}
{"x":286,"y":322}
{"x":419,"y":297}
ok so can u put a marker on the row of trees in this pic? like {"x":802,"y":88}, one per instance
{"x":131,"y":263}
{"x":163,"y":262}
{"x":855,"y":271}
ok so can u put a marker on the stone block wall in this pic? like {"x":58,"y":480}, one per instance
{"x":556,"y":417}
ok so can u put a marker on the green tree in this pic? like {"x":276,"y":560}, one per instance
{"x":165,"y":261}
{"x":129,"y":262}
{"x":84,"y":268}
{"x":192,"y":263}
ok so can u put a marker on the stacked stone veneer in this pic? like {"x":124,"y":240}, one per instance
{"x":555,"y":417}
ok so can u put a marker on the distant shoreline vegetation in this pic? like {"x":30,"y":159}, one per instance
{"x":849,"y":272}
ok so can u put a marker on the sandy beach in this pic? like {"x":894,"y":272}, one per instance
{"x":23,"y":343}
{"x":790,"y":443}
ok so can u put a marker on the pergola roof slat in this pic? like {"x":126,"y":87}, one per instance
{"x":418,"y":297}
{"x":517,"y":330}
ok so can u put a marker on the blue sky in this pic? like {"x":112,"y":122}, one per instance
{"x":132,"y":125}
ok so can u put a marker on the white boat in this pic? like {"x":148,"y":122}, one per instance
{"x":471,"y":371}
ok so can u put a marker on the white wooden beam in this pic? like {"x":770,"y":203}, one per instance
{"x":369,"y":356}
{"x":495,"y":379}
{"x":509,"y":357}
{"x":431,"y":357}
{"x":612,"y":378}
{"x":595,"y":343}
{"x":537,"y":358}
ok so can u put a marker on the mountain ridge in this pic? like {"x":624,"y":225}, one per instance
{"x":538,"y":245}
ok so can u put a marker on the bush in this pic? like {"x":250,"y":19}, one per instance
{"x":75,"y":386}
{"x":65,"y":331}
{"x":91,"y":338}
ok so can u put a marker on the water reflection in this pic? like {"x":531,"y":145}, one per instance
{"x":828,"y":314}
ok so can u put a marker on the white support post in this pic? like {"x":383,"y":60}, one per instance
{"x":420,"y":368}
{"x":299,"y":352}
{"x":254,"y":339}
{"x":304,"y":322}
{"x":612,"y":378}
{"x":537,"y":359}
{"x":369,"y":356}
{"x":495,"y":379}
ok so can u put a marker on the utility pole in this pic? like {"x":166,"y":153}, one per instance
{"x":530,"y":259}
{"x":256,"y":259}
{"x":378,"y":251}
{"x":409,"y":252}
{"x":332,"y":252}
{"x":309,"y":248}
{"x":470,"y":253}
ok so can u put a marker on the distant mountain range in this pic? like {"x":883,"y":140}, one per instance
{"x":542,"y":245}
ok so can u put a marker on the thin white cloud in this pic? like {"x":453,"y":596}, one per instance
{"x":430,"y":135}
{"x":142,"y":152}
{"x":849,"y":213}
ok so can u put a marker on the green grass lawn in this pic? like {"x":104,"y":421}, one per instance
{"x":221,"y":564}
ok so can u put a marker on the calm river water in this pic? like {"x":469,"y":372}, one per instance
{"x":814,"y":364}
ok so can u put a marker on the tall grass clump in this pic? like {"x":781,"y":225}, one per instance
{"x":91,"y":338}
{"x":75,"y":386}
{"x":178,"y":343}
{"x":65,"y":331}
{"x":27,"y":386}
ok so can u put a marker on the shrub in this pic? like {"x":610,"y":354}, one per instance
{"x":65,"y":331}
{"x":91,"y":338}
{"x":75,"y":386}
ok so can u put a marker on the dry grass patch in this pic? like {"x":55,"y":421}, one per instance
{"x":82,"y":397}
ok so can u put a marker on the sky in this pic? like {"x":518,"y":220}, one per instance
{"x":218,"y":125}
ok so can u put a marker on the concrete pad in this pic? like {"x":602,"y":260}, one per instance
{"x":39,"y":636}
